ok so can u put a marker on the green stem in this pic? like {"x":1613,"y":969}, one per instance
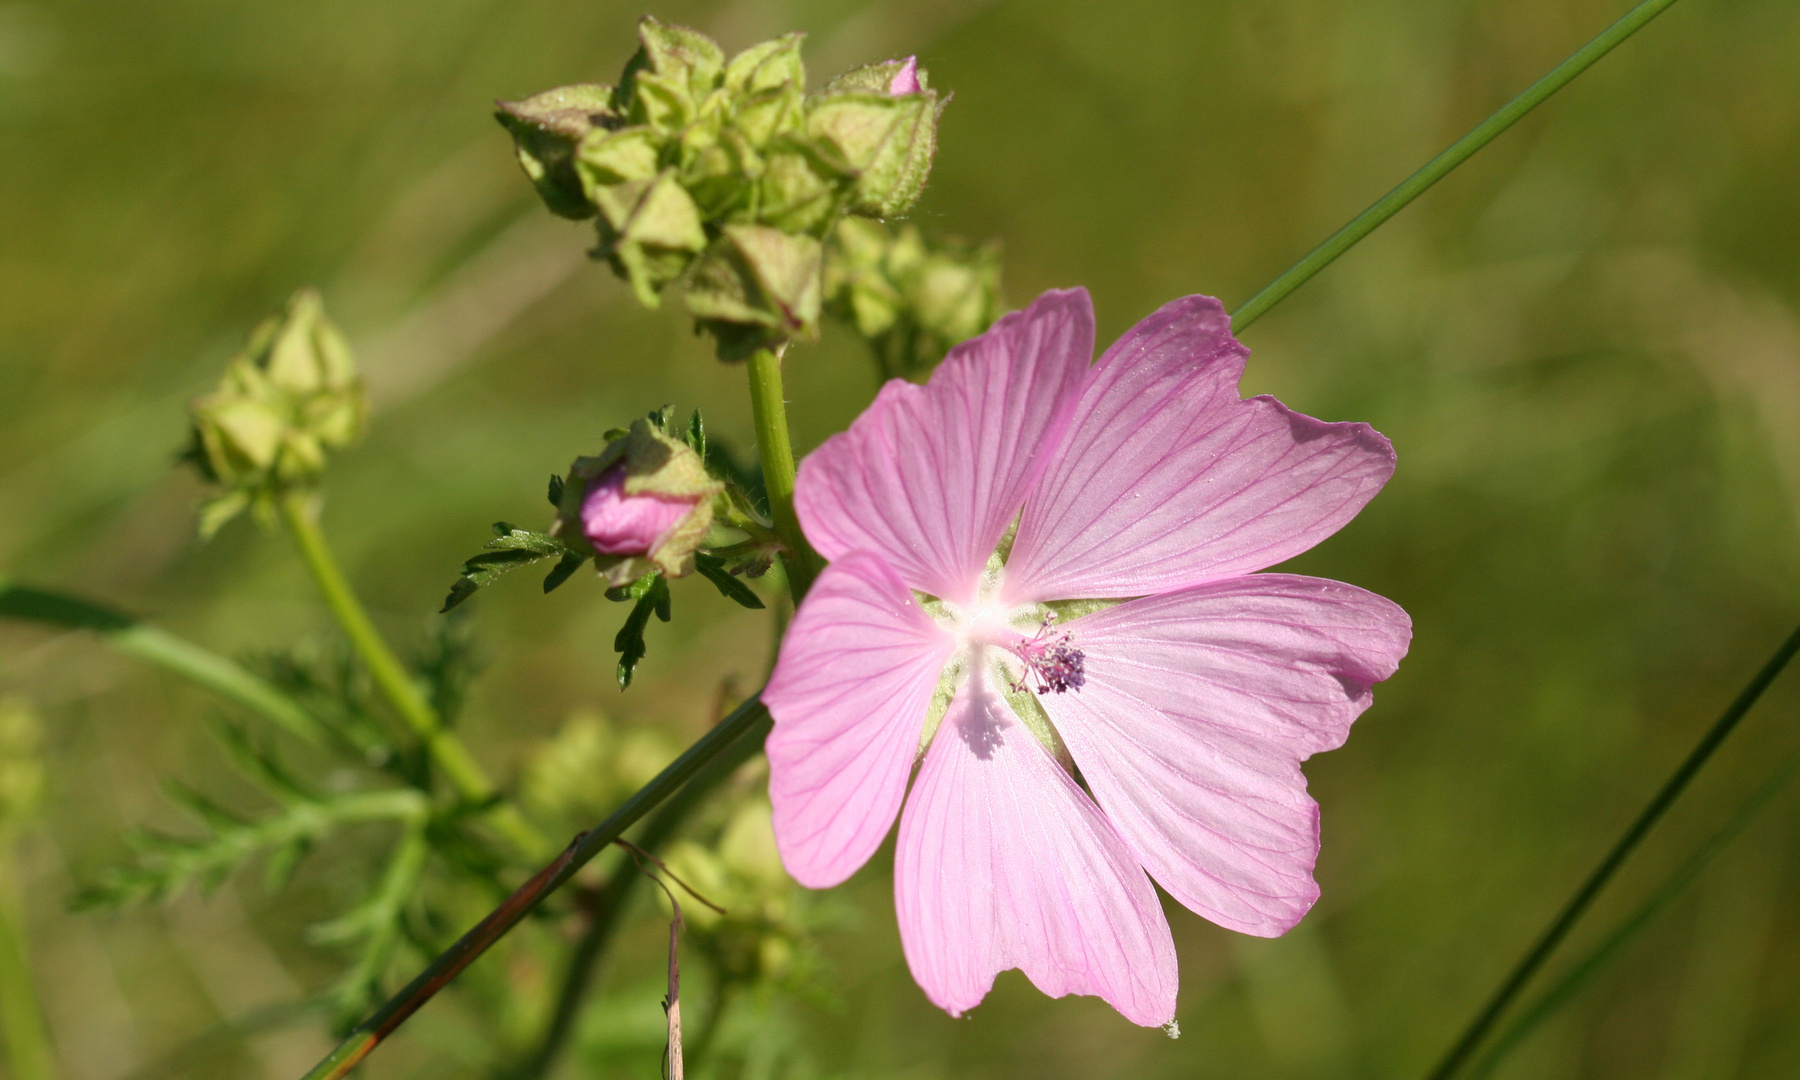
{"x":749,"y":717}
{"x":610,"y":903}
{"x":21,"y":1017}
{"x":160,"y":648}
{"x":396,"y":683}
{"x":1565,"y":988}
{"x":1634,"y":834}
{"x":1438,"y":167}
{"x":777,"y":452}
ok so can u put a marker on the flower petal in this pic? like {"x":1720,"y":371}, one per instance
{"x":1199,"y":707}
{"x":857,"y":671}
{"x":1167,"y":479}
{"x":1005,"y":862}
{"x":930,"y":476}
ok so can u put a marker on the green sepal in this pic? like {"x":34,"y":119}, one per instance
{"x":652,"y":595}
{"x":682,"y":54}
{"x":290,"y":396}
{"x":909,"y":300}
{"x":606,"y":157}
{"x":547,"y":128}
{"x":766,"y":65}
{"x":713,"y":568}
{"x":757,"y":286}
{"x":875,"y":78}
{"x":804,"y":186}
{"x":889,"y":141}
{"x":650,"y":231}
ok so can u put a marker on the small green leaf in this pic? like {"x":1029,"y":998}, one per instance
{"x":556,"y":490}
{"x":561,"y":571}
{"x":510,"y":549}
{"x":713,"y":569}
{"x":696,"y":434}
{"x":652,"y":595}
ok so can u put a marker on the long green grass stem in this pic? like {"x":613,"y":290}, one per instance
{"x":610,"y":902}
{"x":1578,"y":904}
{"x":159,"y":648}
{"x":746,"y":718}
{"x":1438,"y":167}
{"x":397,"y":686}
{"x":777,"y":452}
{"x":1565,"y":988}
{"x":28,"y":1055}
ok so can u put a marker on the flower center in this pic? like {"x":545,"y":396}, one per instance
{"x":1051,"y":663}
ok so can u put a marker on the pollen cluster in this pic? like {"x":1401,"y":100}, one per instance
{"x":1051,"y":662}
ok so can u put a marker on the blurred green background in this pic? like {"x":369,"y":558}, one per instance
{"x":1585,"y":345}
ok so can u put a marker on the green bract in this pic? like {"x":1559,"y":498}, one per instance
{"x":291,"y":395}
{"x":909,"y":300}
{"x":724,"y":176}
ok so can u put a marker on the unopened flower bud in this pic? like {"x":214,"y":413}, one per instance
{"x":290,"y":396}
{"x":546,"y":129}
{"x":757,"y":286}
{"x":643,"y":504}
{"x":883,"y":119}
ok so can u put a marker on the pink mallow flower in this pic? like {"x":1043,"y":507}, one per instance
{"x":1071,"y":752}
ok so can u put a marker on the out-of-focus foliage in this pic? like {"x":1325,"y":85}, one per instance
{"x":1584,"y":345}
{"x":910,"y":300}
{"x":290,"y":396}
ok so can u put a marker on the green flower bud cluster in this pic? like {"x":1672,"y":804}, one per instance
{"x":292,"y":394}
{"x":725,"y":175}
{"x":762,"y":937}
{"x":21,"y":762}
{"x":591,"y":766}
{"x":911,"y":301}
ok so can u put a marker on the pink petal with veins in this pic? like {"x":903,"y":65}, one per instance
{"x":1199,"y":707}
{"x":857,"y":670}
{"x":1005,"y":862}
{"x":1166,"y":478}
{"x":930,"y":476}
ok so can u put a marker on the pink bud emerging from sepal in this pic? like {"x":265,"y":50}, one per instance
{"x":906,"y":80}
{"x":619,"y":524}
{"x":643,"y":504}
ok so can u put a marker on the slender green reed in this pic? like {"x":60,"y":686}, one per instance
{"x":1640,"y":827}
{"x":1439,"y":167}
{"x":1576,"y":977}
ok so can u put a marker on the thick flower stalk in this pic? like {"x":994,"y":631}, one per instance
{"x":1043,"y":590}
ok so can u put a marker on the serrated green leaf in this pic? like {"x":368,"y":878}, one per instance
{"x":713,"y":569}
{"x":562,"y":570}
{"x":510,"y":549}
{"x":652,"y":594}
